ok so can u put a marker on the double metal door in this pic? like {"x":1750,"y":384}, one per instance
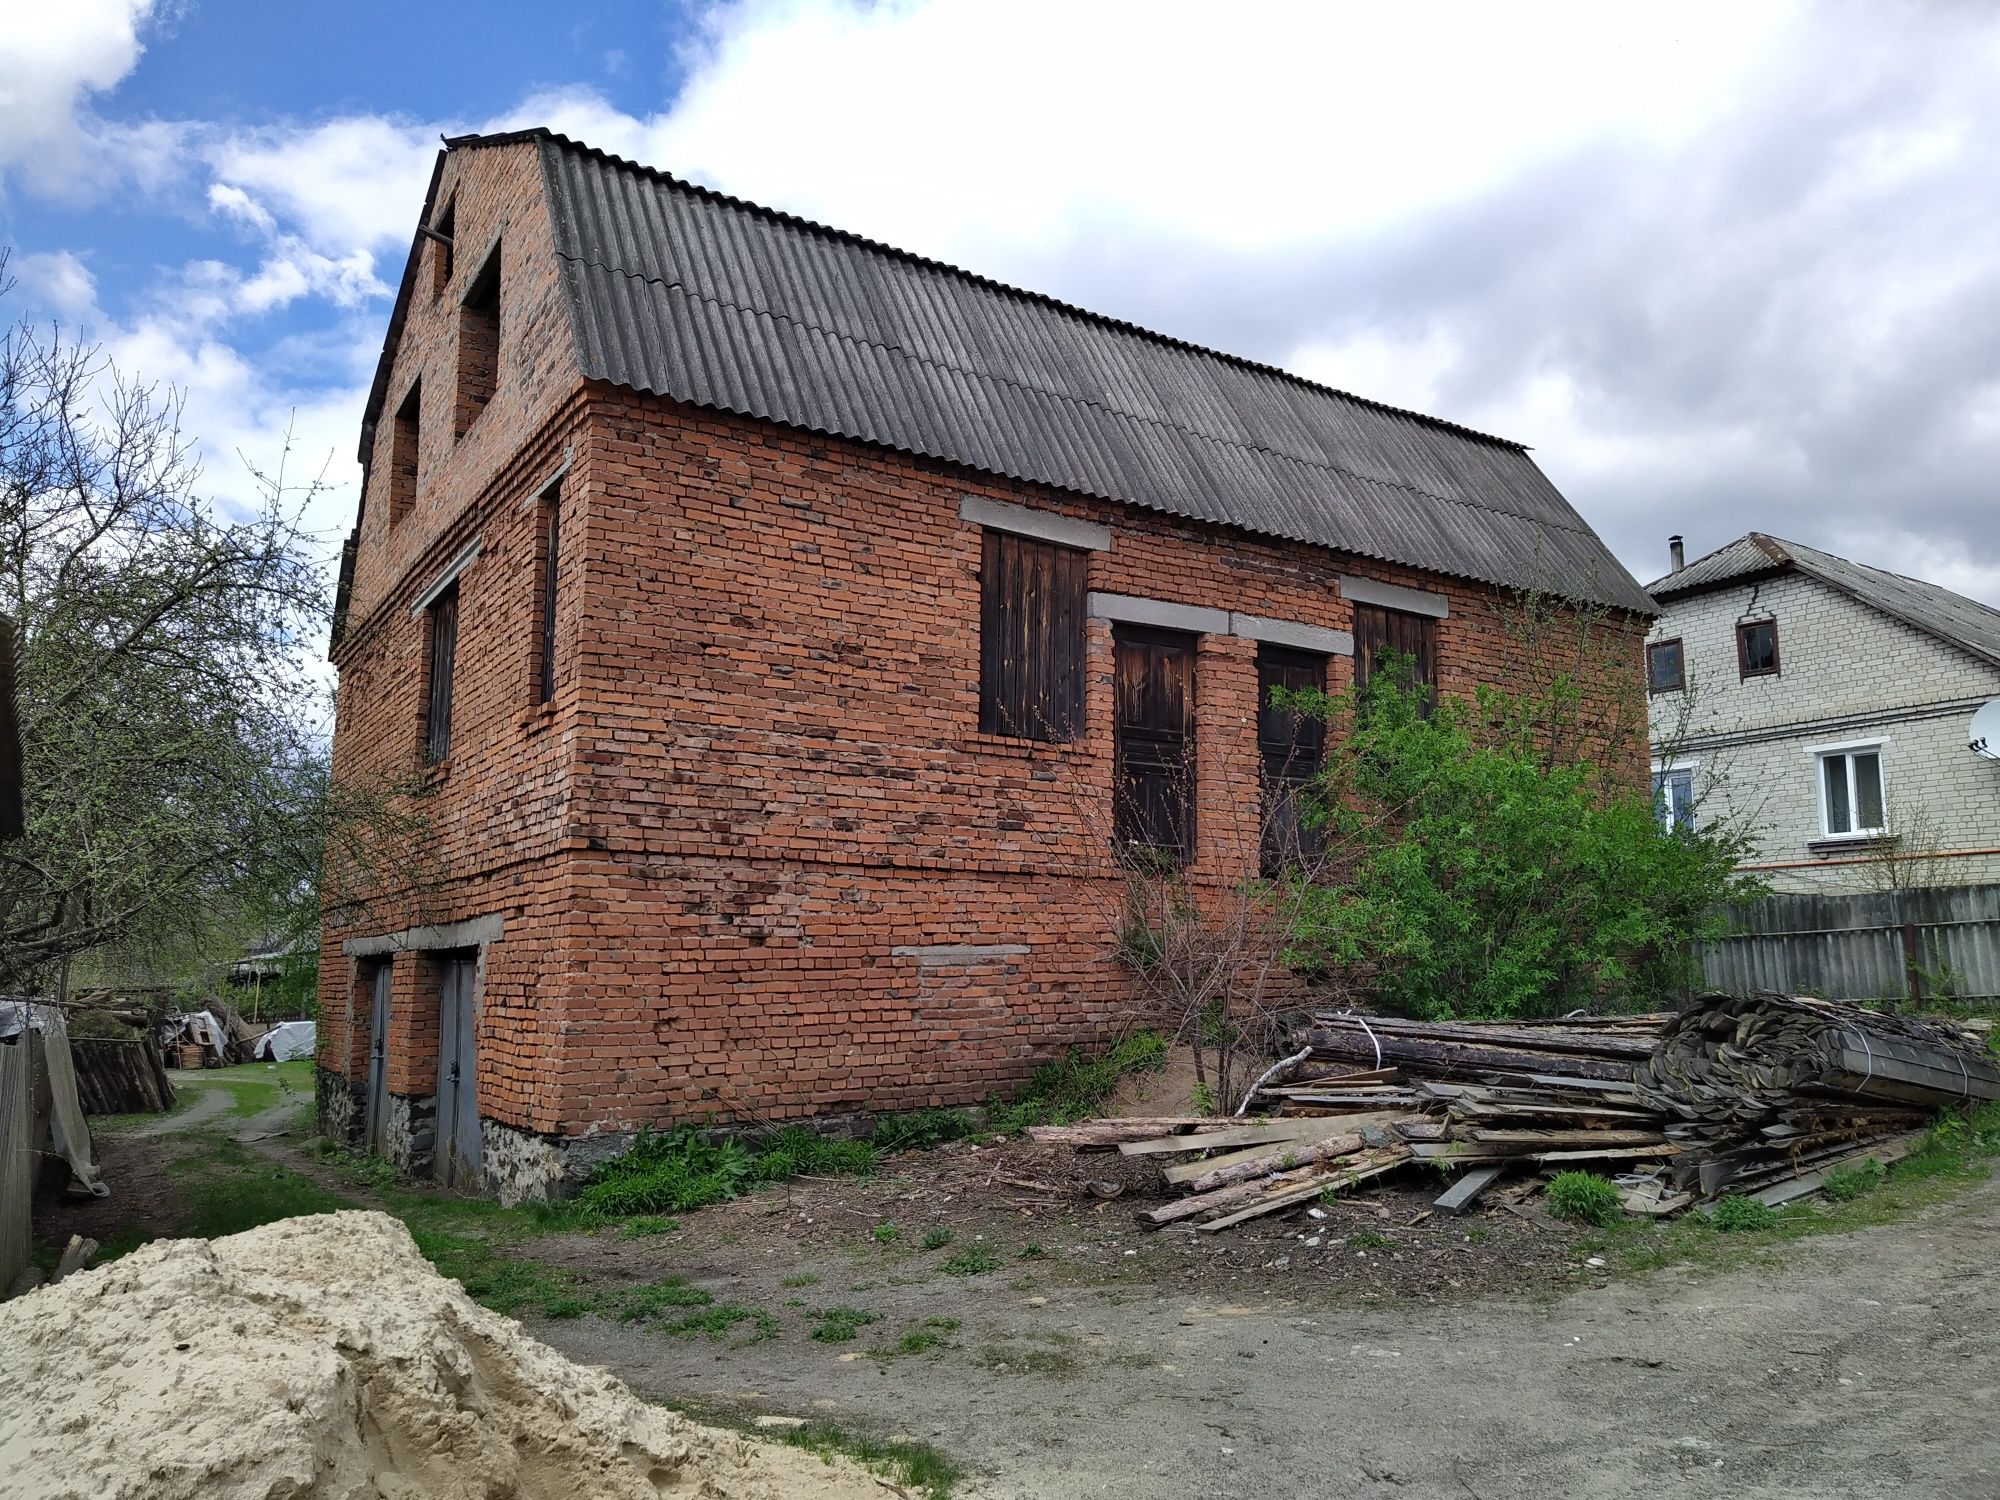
{"x":457,"y":1154}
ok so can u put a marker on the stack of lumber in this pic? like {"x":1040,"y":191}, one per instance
{"x":1763,"y":1094}
{"x":1762,"y":1088}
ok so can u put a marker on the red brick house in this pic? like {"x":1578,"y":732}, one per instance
{"x":772,"y":613}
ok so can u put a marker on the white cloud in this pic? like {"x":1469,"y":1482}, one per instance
{"x":59,"y":280}
{"x":344,"y":185}
{"x":54,"y":58}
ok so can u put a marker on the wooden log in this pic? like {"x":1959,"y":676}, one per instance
{"x":1305,"y":1191}
{"x":1283,"y":1128}
{"x":1262,"y":1164}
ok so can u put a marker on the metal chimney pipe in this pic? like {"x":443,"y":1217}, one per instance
{"x":1677,"y":550}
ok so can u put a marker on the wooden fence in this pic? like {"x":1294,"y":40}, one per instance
{"x":1902,"y":946}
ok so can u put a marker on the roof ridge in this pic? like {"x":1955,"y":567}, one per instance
{"x":1105,"y":320}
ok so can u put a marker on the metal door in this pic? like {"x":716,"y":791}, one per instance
{"x":378,"y":1061}
{"x":457,"y":1154}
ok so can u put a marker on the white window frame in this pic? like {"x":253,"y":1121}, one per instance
{"x":1850,"y":748}
{"x":1678,"y":767}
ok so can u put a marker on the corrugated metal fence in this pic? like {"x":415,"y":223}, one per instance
{"x":1897,"y":945}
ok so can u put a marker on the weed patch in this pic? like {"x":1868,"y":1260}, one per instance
{"x":680,"y":1169}
{"x":916,"y":1466}
{"x":1739,"y":1215}
{"x":645,"y":1225}
{"x":1369,"y":1239}
{"x":973,"y":1260}
{"x":1069,"y":1088}
{"x":838,"y":1325}
{"x":1584,"y":1198}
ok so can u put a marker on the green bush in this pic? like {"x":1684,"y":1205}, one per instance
{"x":1739,"y":1215}
{"x":1486,"y":875}
{"x":1584,"y":1197}
{"x":920,"y":1129}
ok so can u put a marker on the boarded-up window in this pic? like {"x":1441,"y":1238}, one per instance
{"x":1154,"y":796}
{"x":1291,"y":746}
{"x":1386,"y":635}
{"x":443,"y":615}
{"x":1031,"y":624}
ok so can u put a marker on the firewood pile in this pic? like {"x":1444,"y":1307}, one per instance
{"x":1763,"y":1094}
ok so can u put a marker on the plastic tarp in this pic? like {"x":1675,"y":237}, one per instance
{"x":287,"y":1040}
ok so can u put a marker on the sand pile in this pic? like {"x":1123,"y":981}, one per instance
{"x":323,"y":1357}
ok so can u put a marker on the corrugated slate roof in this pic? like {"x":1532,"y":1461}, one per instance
{"x":1958,"y":621}
{"x":707,"y":299}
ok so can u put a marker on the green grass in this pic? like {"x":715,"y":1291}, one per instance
{"x":682,"y":1169}
{"x":644,"y":1226}
{"x":973,"y":1260}
{"x":936,"y":1239}
{"x":885,"y":1234}
{"x":1956,"y":1154}
{"x":1736,"y":1214}
{"x":1369,"y":1239}
{"x":932,"y":1333}
{"x":838,"y":1325}
{"x":1069,"y":1088}
{"x":802,"y":1278}
{"x":916,"y":1466}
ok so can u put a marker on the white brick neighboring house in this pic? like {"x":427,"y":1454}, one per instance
{"x":1827,"y":704}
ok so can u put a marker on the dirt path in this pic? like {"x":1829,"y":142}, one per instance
{"x":215,"y":1101}
{"x":1853,"y":1366}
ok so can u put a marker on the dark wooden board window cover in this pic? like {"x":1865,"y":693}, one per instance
{"x":1666,"y":669}
{"x":1381,"y":633}
{"x":1757,"y":648}
{"x":545,"y":667}
{"x":1153,"y":810}
{"x":1291,"y":747}
{"x":1033,"y":601}
{"x":444,"y":650}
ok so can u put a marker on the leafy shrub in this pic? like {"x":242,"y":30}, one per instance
{"x":1485,"y":875}
{"x":1844,"y":1182}
{"x":1739,"y":1215}
{"x":1584,"y":1198}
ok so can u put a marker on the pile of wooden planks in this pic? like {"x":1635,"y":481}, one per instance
{"x":1762,"y":1095}
{"x":115,"y":1077}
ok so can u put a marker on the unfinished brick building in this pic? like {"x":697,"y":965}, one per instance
{"x":772,"y":613}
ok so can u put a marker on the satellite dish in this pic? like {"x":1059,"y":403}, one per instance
{"x":1985,"y":731}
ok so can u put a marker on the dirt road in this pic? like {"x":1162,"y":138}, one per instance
{"x":1853,"y":1366}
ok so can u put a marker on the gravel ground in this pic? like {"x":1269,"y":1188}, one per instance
{"x":1855,"y":1366}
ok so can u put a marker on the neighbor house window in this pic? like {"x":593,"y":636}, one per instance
{"x":1382,"y":636}
{"x":1032,"y":608}
{"x":1153,"y":684}
{"x":1666,"y":671}
{"x":443,"y":617}
{"x":405,"y":450}
{"x":1757,"y":648}
{"x":545,"y":657}
{"x":1850,"y":788}
{"x":478,"y":345}
{"x":1673,"y":799}
{"x":1290,"y":745}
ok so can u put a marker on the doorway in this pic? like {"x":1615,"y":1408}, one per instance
{"x":456,"y":1159}
{"x":378,"y":1060}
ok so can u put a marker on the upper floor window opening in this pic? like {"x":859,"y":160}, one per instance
{"x":1666,"y":667}
{"x":1033,"y":602}
{"x":405,"y":452}
{"x":545,"y":605}
{"x":478,"y":345}
{"x":440,"y":249}
{"x":1757,"y":648}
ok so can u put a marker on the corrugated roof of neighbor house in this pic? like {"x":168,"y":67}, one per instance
{"x":1937,"y":611}
{"x":707,"y":299}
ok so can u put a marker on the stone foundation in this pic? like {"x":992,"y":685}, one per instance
{"x":340,"y":1108}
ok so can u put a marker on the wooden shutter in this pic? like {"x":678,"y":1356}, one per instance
{"x":444,"y":649}
{"x":1154,"y":806}
{"x":1031,"y":638}
{"x":1380,"y":632}
{"x":1290,"y":746}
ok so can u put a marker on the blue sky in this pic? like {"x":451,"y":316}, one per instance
{"x":1724,"y":266}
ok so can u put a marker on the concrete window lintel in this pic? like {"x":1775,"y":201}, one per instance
{"x":1395,"y":596}
{"x":1126,"y":609}
{"x":474,"y":933}
{"x":1041,"y":525}
{"x":444,"y":580}
{"x":1292,"y":633}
